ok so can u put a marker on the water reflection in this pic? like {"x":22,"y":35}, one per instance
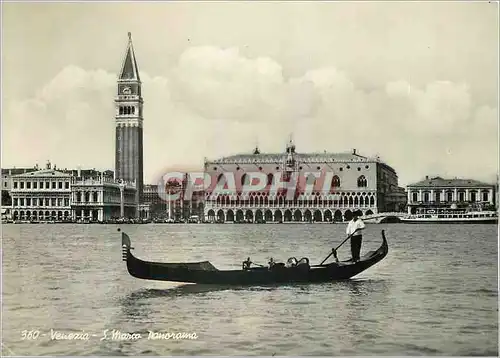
{"x":363,"y":287}
{"x":366,"y":301}
{"x":354,"y":287}
{"x":182,"y":290}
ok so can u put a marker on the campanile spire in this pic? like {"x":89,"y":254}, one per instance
{"x":129,"y":69}
{"x":129,"y":122}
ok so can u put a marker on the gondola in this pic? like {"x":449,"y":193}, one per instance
{"x":205,"y":273}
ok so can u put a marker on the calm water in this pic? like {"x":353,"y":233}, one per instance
{"x":434,"y":294}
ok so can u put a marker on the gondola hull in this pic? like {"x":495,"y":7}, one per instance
{"x":206,"y":273}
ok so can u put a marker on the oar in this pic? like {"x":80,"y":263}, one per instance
{"x":334,"y":251}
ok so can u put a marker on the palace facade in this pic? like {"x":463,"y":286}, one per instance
{"x":344,"y":183}
{"x":66,"y":195}
{"x":41,"y":195}
{"x":102,"y":198}
{"x":440,"y":194}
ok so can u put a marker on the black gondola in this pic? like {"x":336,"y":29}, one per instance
{"x":205,"y":273}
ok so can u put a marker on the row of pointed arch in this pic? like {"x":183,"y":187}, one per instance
{"x":283,"y":216}
{"x":335,"y":183}
{"x":342,"y":200}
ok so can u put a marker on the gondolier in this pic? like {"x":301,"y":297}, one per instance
{"x":354,"y":228}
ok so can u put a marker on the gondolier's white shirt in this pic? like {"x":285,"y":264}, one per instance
{"x":353,"y":225}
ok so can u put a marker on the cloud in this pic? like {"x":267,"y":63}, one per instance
{"x":215,"y":102}
{"x":223,"y":84}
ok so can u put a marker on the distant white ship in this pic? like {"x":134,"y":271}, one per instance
{"x":453,"y":217}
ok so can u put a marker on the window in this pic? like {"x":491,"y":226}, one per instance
{"x":473,"y":196}
{"x":40,"y":202}
{"x":362,"y":183}
{"x":53,"y":201}
{"x":53,"y":185}
{"x":28,"y":201}
{"x":59,"y":202}
{"x":461,"y":196}
{"x":21,"y":201}
{"x":438,"y":196}
{"x":28,"y":185}
{"x":16,"y":202}
{"x":60,"y":185}
{"x":335,"y":182}
{"x":15,"y":185}
{"x":485,"y":196}
{"x":47,"y":202}
{"x":426,"y":197}
{"x":66,"y":185}
{"x":35,"y":185}
{"x":449,"y":196}
{"x":22,"y":185}
{"x":415,"y":197}
{"x":47,"y":185}
{"x":66,"y":201}
{"x":270,"y":179}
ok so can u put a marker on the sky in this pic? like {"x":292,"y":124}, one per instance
{"x":415,"y":83}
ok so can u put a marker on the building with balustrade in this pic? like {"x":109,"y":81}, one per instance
{"x":41,"y":195}
{"x":65,"y":195}
{"x":439,"y":194}
{"x":343,"y":183}
{"x":102,"y":198}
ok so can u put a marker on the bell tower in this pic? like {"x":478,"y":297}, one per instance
{"x":129,"y":122}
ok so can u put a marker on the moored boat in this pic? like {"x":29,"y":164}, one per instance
{"x":204,"y":272}
{"x":453,"y":217}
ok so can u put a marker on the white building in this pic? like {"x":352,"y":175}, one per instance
{"x":54,"y":195}
{"x":41,"y":195}
{"x":443,"y":194}
{"x":102,"y":198}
